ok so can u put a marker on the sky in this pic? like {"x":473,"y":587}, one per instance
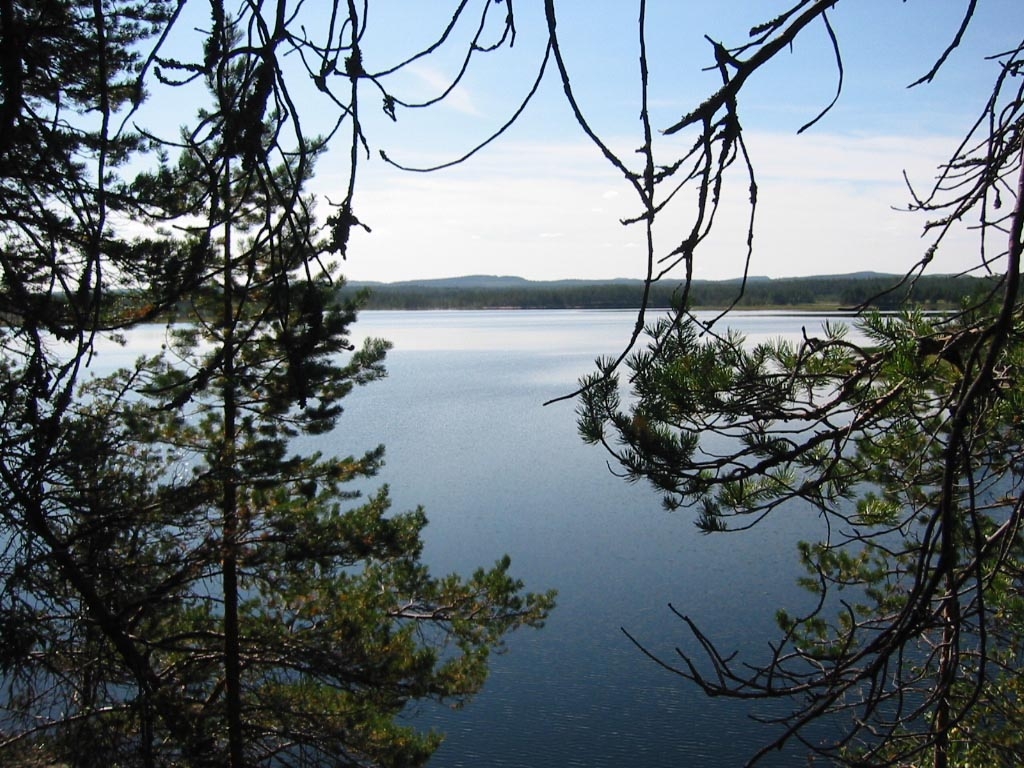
{"x":542,"y":203}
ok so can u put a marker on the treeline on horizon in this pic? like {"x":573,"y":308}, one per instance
{"x":878,"y":291}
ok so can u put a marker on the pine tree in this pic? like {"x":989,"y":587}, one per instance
{"x":182,"y":584}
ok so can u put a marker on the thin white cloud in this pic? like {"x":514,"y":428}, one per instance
{"x":826,"y":204}
{"x":436,"y":82}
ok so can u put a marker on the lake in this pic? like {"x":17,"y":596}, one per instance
{"x":467,"y":436}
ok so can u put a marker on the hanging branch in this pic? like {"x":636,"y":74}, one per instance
{"x":904,"y":443}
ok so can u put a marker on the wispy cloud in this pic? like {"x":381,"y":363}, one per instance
{"x":435,"y":82}
{"x":826,"y":204}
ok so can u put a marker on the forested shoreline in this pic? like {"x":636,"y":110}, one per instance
{"x":874,"y":290}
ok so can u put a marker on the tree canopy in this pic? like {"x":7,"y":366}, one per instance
{"x":180,"y":583}
{"x":836,"y":293}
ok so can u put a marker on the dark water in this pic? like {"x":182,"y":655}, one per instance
{"x":467,"y":436}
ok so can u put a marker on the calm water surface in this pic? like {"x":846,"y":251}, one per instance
{"x":467,"y":436}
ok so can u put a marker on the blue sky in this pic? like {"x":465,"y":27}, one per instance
{"x":542,"y":203}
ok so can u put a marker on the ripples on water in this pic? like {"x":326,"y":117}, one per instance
{"x":467,"y":436}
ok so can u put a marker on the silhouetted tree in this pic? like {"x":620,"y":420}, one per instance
{"x":179,"y":584}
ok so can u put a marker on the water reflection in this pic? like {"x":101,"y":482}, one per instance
{"x":467,"y":436}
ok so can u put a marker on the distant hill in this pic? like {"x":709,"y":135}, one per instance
{"x":818,"y":292}
{"x":469,"y":281}
{"x":491,"y":281}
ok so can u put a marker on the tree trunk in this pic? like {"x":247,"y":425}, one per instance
{"x":229,"y":503}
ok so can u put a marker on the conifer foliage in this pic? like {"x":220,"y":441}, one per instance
{"x":180,"y":584}
{"x":901,"y":434}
